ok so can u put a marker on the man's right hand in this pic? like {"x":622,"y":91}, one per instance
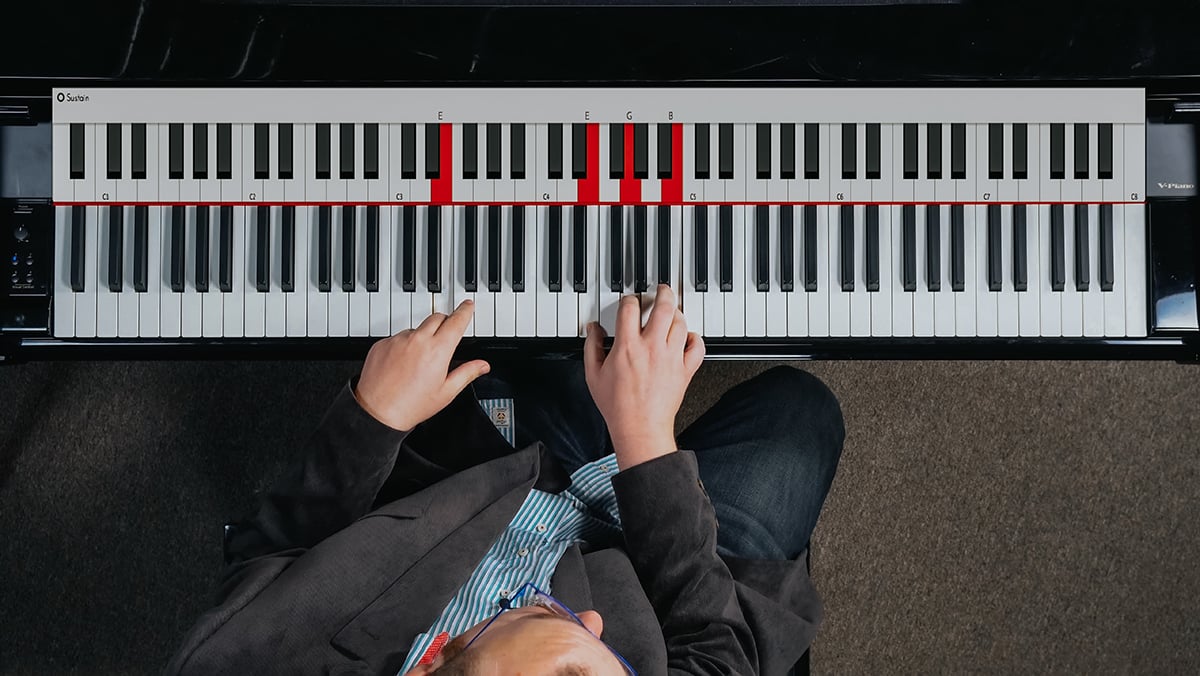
{"x":639,"y":385}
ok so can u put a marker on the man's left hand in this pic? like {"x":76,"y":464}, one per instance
{"x":404,"y":380}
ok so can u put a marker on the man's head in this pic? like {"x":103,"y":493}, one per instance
{"x":531,"y":640}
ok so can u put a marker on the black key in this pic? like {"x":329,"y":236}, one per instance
{"x":77,"y":154}
{"x":616,"y":151}
{"x":725,"y":247}
{"x":579,"y":151}
{"x":224,"y":152}
{"x":699,"y":247}
{"x":641,"y":151}
{"x":1058,"y":249}
{"x":762,"y":151}
{"x":664,"y":245}
{"x":225,"y":250}
{"x":516,"y":153}
{"x":200,"y":151}
{"x":554,"y":151}
{"x":518,"y":249}
{"x":433,"y":151}
{"x":262,"y":145}
{"x":849,"y":150}
{"x":703,"y":161}
{"x":372,"y":246}
{"x":433,"y":249}
{"x":873,"y":133}
{"x":787,"y":151}
{"x":1104,"y":150}
{"x":175,"y":151}
{"x":470,"y":151}
{"x":350,"y":246}
{"x":1020,"y":249}
{"x":495,"y":246}
{"x":933,"y":151}
{"x":1058,"y":151}
{"x":810,"y":247}
{"x":1082,"y":249}
{"x":346,"y":150}
{"x":493,"y":150}
{"x":579,"y":248}
{"x":847,"y":247}
{"x":1106,"y":247}
{"x":178,"y":249}
{"x":725,"y":151}
{"x":958,"y":150}
{"x":787,"y":277}
{"x":616,"y":249}
{"x":910,"y":150}
{"x":287,"y":236}
{"x":113,"y":141}
{"x":762,"y":251}
{"x":78,"y":237}
{"x":641,"y":274}
{"x":812,"y":151}
{"x":995,"y":150}
{"x":908,"y":252}
{"x":201,"y":248}
{"x":287,"y":151}
{"x":872,"y":232}
{"x":995,"y":255}
{"x":262,"y":249}
{"x":408,"y":248}
{"x":933,"y":247}
{"x":137,"y":150}
{"x":371,"y":151}
{"x":554,"y":245}
{"x":1081,"y":150}
{"x":957,"y":248}
{"x":115,"y":245}
{"x":1020,"y":140}
{"x":470,"y":250}
{"x":323,"y":143}
{"x":141,"y":244}
{"x":324,"y":249}
{"x":664,"y":151}
{"x":408,"y":150}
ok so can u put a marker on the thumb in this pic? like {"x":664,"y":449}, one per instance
{"x":464,"y":375}
{"x":593,"y":350}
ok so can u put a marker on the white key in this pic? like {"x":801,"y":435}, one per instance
{"x":458,"y":269}
{"x":1072,"y":300}
{"x":317,"y":301}
{"x":297,"y":299}
{"x":335,"y":187}
{"x":276,"y":299}
{"x":1051,"y":301}
{"x":444,"y":302}
{"x":922,"y":298}
{"x":506,"y":298}
{"x":1114,"y":301}
{"x":380,"y":300}
{"x":422,"y":300}
{"x":339,"y":300}
{"x":839,"y":300}
{"x":735,"y":301}
{"x":360,"y":298}
{"x":964,"y":301}
{"x":401,"y":300}
{"x":693,"y":300}
{"x":818,"y":301}
{"x":106,"y":189}
{"x":127,"y":300}
{"x":485,"y":299}
{"x":755,"y":300}
{"x":170,"y":308}
{"x":527,"y":300}
{"x":944,"y":304}
{"x":860,"y":299}
{"x":985,"y":298}
{"x":547,"y":302}
{"x":797,"y":298}
{"x":86,"y":307}
{"x":1132,"y":171}
{"x":1008,"y":313}
{"x":191,"y":311}
{"x":589,"y":302}
{"x":1136,"y":318}
{"x":64,"y":297}
{"x":1093,"y":298}
{"x":714,"y":299}
{"x":568,"y":298}
{"x":356,"y":188}
{"x":126,"y":186}
{"x":234,"y":301}
{"x":892,"y":306}
{"x":254,"y":301}
{"x":212,"y":301}
{"x":1029,"y":301}
{"x":777,"y":300}
{"x":150,"y":302}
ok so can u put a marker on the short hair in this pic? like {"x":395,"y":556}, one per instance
{"x":468,"y":664}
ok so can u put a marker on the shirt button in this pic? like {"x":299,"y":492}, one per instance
{"x":541,"y":528}
{"x":503,"y":593}
{"x":522,"y":551}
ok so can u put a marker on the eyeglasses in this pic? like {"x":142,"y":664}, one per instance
{"x":541,"y":598}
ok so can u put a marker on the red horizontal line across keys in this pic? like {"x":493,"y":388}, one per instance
{"x":561,"y":204}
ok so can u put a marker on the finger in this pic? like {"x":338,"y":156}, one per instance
{"x":431,"y":323}
{"x":629,"y":317}
{"x":464,"y":375}
{"x":677,"y":336}
{"x":662,"y":314}
{"x":456,"y":324}
{"x":693,"y":352}
{"x":593,"y":350}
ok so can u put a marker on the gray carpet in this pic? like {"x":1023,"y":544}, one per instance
{"x":987,"y":517}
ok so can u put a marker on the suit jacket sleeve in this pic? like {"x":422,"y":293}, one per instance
{"x":670,"y":532}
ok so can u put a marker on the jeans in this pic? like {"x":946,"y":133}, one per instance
{"x":767,"y":450}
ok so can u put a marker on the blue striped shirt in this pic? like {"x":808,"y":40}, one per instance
{"x":529,"y":549}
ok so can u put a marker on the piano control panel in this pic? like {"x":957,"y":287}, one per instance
{"x":774,"y":212}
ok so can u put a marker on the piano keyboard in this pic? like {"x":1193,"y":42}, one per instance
{"x":773,"y":212}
